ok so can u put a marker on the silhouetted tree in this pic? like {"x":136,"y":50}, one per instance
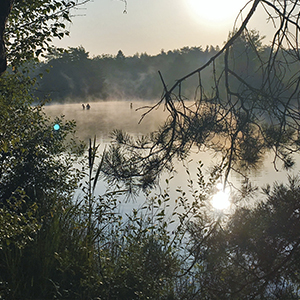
{"x":71,"y":75}
{"x":5,"y":8}
{"x":28,"y":28}
{"x":254,"y":254}
{"x":247,"y":108}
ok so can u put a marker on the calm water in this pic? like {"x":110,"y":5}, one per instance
{"x":103,"y":117}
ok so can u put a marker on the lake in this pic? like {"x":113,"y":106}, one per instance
{"x":105,"y":116}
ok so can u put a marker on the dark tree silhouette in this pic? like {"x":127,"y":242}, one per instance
{"x":28,"y":28}
{"x":5,"y":8}
{"x":250,"y":109}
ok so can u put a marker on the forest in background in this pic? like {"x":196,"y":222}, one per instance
{"x":73,"y":75}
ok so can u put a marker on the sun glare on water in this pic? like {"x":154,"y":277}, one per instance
{"x":220,"y":200}
{"x":215,"y":11}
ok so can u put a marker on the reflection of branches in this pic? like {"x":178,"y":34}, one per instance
{"x":251,"y":104}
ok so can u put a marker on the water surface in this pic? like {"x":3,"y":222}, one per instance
{"x":105,"y":116}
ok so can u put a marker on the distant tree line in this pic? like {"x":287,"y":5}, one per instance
{"x":72,"y":74}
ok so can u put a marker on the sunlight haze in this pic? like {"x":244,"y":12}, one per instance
{"x":149,"y":26}
{"x":216,"y":13}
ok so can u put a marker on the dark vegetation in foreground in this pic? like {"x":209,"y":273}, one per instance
{"x":56,"y":243}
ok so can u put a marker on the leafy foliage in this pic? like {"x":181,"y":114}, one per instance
{"x":37,"y":178}
{"x":71,"y":76}
{"x":15,"y":227}
{"x":32,"y":26}
{"x":255,"y":254}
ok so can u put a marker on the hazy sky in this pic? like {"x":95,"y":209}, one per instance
{"x":149,"y":26}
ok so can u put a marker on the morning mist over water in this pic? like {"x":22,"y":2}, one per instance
{"x":105,"y":116}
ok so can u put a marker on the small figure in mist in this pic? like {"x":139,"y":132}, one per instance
{"x":83,"y":106}
{"x":131,"y":105}
{"x":88,"y":106}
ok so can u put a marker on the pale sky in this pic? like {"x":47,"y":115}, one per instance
{"x":152,"y":25}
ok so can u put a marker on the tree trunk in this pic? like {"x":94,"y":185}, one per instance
{"x":5,"y":8}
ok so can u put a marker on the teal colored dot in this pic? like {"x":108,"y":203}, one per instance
{"x":56,"y":127}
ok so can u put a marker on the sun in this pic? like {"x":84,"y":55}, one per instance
{"x":215,"y":11}
{"x":220,"y":200}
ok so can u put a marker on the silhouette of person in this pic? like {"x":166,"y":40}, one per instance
{"x":88,"y":106}
{"x":83,"y":106}
{"x":130,"y":105}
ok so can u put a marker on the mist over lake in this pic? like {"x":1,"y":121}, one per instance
{"x":105,"y":116}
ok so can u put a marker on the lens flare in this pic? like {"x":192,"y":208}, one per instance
{"x":56,"y":127}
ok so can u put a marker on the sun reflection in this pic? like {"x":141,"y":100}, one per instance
{"x":220,"y":200}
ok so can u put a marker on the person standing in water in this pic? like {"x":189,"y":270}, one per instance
{"x":88,"y":106}
{"x":83,"y":106}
